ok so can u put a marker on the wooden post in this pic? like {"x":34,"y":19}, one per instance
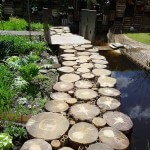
{"x":45,"y":24}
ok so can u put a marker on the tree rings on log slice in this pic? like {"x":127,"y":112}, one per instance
{"x":85,"y":94}
{"x":114,"y":138}
{"x":88,"y":76}
{"x":66,"y":69}
{"x":98,"y":57}
{"x":63,"y":86}
{"x":87,"y":65}
{"x":70,"y":58}
{"x":69,"y":63}
{"x":83,"y":133}
{"x":84,"y":112}
{"x":99,"y":146}
{"x":66,"y":47}
{"x":83,"y":70}
{"x":79,"y":48}
{"x":47,"y":126}
{"x":71,"y":101}
{"x":83,"y":53}
{"x":69,"y":78}
{"x":99,"y":122}
{"x":55,"y":144}
{"x":36,"y":144}
{"x":118,"y":120}
{"x":59,"y":96}
{"x":67,"y":55}
{"x":87,"y":46}
{"x":82,"y":84}
{"x":66,"y":148}
{"x":108,"y":103}
{"x":101,"y":72}
{"x":107,"y":81}
{"x":70,"y":51}
{"x":56,"y":106}
{"x":109,"y":92}
{"x":100,"y":66}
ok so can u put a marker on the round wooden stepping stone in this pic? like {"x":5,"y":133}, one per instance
{"x":99,"y":122}
{"x":59,"y":96}
{"x":99,"y":146}
{"x":82,"y":61}
{"x":69,"y":78}
{"x":85,"y":94}
{"x":118,"y":120}
{"x":55,"y":144}
{"x":93,"y":50}
{"x":66,"y":148}
{"x":36,"y":144}
{"x":66,"y":69}
{"x":71,"y":101}
{"x":100,"y":66}
{"x":87,"y":46}
{"x":83,"y":70}
{"x":84,"y":58}
{"x":88,"y":76}
{"x":83,"y":53}
{"x":70,"y":58}
{"x":47,"y":126}
{"x":101,"y":72}
{"x":87,"y":65}
{"x":113,"y":138}
{"x":97,"y":57}
{"x":83,"y":133}
{"x":71,"y":51}
{"x":108,"y":103}
{"x":67,"y":55}
{"x":84,"y":112}
{"x":66,"y":47}
{"x":79,"y":48}
{"x":82,"y":84}
{"x":56,"y":106}
{"x":69,"y":63}
{"x":63,"y":86}
{"x":109,"y":92}
{"x":103,"y":62}
{"x":107,"y":81}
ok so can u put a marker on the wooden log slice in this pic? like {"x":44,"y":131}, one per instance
{"x":87,"y":65}
{"x":82,"y":84}
{"x":101,"y":72}
{"x":99,"y":122}
{"x":47,"y":126}
{"x":83,"y":70}
{"x":83,"y":133}
{"x":113,"y":138}
{"x":79,"y":48}
{"x":109,"y":92}
{"x":59,"y":96}
{"x":70,"y":58}
{"x":83,"y":53}
{"x":69,"y":63}
{"x":69,"y":78}
{"x":85,"y":94}
{"x":107,"y":81}
{"x":80,"y":61}
{"x":36,"y":144}
{"x":71,"y":101}
{"x":87,"y":46}
{"x":103,"y":62}
{"x":69,"y":51}
{"x":88,"y":76}
{"x":100,"y":66}
{"x":66,"y":148}
{"x":84,"y":112}
{"x":66,"y":69}
{"x":93,"y":50}
{"x":56,"y":106}
{"x":64,"y":47}
{"x":98,"y":57}
{"x":84,"y":58}
{"x":67,"y":55}
{"x":108,"y":103}
{"x":118,"y":120}
{"x":55,"y":144}
{"x":99,"y":146}
{"x":63,"y":86}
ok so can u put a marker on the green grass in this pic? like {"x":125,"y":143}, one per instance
{"x":140,"y":37}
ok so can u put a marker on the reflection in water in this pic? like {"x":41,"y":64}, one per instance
{"x":134,"y":84}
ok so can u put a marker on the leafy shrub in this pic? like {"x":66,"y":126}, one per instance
{"x":33,"y":58}
{"x":5,"y":141}
{"x":36,"y":26}
{"x":14,"y":62}
{"x":29,"y":71}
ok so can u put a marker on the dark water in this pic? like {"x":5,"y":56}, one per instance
{"x":134,"y":84}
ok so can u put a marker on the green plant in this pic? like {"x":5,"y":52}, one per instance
{"x":29,"y":71}
{"x":33,"y":58}
{"x":36,"y":26}
{"x":17,"y":133}
{"x":5,"y":141}
{"x":13,"y":62}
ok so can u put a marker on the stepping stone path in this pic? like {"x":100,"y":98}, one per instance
{"x":82,"y":109}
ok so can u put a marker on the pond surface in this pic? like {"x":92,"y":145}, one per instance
{"x":134,"y":84}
